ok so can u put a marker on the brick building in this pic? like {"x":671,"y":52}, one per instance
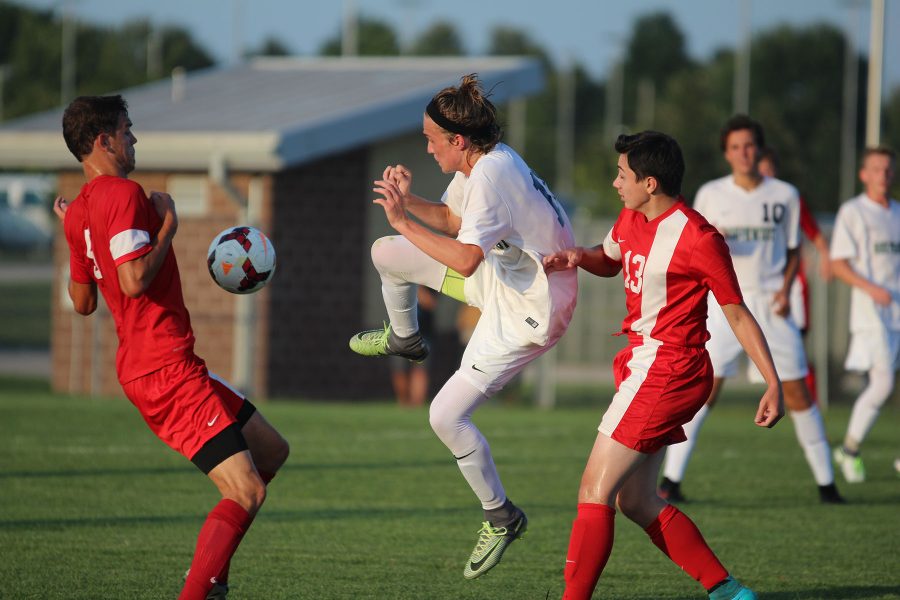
{"x":290,"y":145}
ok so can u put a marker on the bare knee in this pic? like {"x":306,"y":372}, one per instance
{"x":248,"y":491}
{"x":641,"y":509}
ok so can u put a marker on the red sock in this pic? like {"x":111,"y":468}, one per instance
{"x":679,"y":539}
{"x":589,"y":547}
{"x":223,"y":574}
{"x":219,"y":538}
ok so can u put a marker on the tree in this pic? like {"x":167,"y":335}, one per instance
{"x":375,"y":38}
{"x":271,"y":46}
{"x":441,"y":39}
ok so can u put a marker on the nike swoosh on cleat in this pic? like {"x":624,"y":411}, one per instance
{"x":477,"y":565}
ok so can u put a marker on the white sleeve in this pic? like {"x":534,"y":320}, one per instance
{"x":453,"y":195}
{"x":845,"y":236}
{"x":611,"y":246}
{"x":486,"y":219}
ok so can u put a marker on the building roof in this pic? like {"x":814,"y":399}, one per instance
{"x":271,"y":113}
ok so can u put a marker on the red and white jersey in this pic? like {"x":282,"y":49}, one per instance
{"x":760,"y":225}
{"x":670,"y":265}
{"x":110,"y":223}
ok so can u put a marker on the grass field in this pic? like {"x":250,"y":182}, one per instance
{"x":370,"y":506}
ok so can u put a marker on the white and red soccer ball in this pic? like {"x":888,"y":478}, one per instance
{"x":241,"y":260}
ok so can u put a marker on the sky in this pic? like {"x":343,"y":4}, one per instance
{"x":590,"y":32}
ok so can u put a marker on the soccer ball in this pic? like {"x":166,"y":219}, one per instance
{"x":241,"y":260}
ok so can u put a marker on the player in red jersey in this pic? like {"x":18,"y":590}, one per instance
{"x":120,"y":241}
{"x":672,"y":258}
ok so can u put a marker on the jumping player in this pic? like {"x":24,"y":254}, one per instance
{"x":672,"y":259}
{"x":759,"y":218}
{"x":121,"y":241}
{"x":483,"y":245}
{"x":865,"y":250}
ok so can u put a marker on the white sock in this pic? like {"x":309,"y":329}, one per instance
{"x":450,"y":417}
{"x":678,"y":455}
{"x":810,"y":430}
{"x":869,"y":403}
{"x":402,"y":267}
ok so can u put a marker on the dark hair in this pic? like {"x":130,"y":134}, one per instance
{"x":738,"y":123}
{"x":768,"y":153}
{"x":89,"y":116}
{"x":466,"y":110}
{"x":654,"y":154}
{"x":879,"y":150}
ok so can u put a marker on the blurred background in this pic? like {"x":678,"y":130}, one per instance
{"x":823,"y":76}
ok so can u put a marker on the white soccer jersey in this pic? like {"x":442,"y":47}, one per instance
{"x":867,"y":235}
{"x":510,"y":213}
{"x":760,"y":226}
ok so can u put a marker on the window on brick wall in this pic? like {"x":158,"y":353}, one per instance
{"x":191,"y":194}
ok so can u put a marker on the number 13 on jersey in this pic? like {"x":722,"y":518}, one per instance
{"x":634,"y":279}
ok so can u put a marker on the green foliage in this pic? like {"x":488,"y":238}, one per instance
{"x":106,"y":59}
{"x":374,"y":38}
{"x":441,"y":39}
{"x":370,"y":505}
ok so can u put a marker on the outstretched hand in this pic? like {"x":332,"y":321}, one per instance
{"x":401,"y":177}
{"x":771,"y":408}
{"x":391,"y":202}
{"x":563,"y":260}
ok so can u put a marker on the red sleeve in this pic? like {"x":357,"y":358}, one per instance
{"x":711,"y":262}
{"x":81,"y":267}
{"x":808,"y":221}
{"x":130,"y":223}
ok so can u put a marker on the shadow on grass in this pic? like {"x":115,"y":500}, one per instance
{"x":181,"y":470}
{"x":849,"y":592}
{"x":313,"y":514}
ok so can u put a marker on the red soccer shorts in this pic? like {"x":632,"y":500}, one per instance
{"x":659,"y":389}
{"x":183,"y":405}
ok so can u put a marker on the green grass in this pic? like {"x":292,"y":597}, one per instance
{"x":370,"y":505}
{"x":25,"y":307}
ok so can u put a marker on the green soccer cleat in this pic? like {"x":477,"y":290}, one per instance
{"x":851,"y":466}
{"x":492,"y":543}
{"x":383,"y":342}
{"x":730,"y":589}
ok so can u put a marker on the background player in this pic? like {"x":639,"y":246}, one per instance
{"x":483,"y":245}
{"x":865,"y":250}
{"x":672,"y":258}
{"x":800,"y":293}
{"x":759,"y":217}
{"x":121,"y":241}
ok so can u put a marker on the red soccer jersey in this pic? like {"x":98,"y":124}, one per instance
{"x":110,"y":223}
{"x":670,"y":264}
{"x":808,"y":221}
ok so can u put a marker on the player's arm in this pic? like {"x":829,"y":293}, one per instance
{"x":84,"y":297}
{"x":462,"y":258}
{"x":435,"y":215}
{"x":845,"y":272}
{"x":593,"y":260}
{"x":135,"y":276}
{"x":750,"y":336}
{"x":782,"y":297}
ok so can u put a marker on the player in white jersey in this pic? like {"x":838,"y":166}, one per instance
{"x":759,"y":217}
{"x":865,"y":251}
{"x":482,"y":244}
